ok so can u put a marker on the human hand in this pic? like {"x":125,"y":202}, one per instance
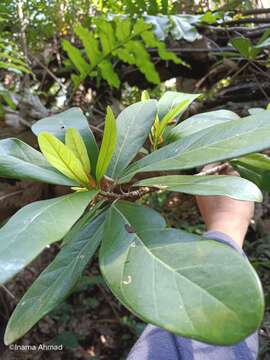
{"x":221,"y":213}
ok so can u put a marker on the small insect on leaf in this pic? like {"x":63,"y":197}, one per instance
{"x":62,"y":158}
{"x":75,"y":143}
{"x":107,"y":145}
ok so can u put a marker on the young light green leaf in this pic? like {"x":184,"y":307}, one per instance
{"x":58,"y":124}
{"x":181,"y":282}
{"x":75,"y":143}
{"x":145,"y":95}
{"x":62,"y":158}
{"x":171,"y":115}
{"x":59,"y":278}
{"x":232,"y":186}
{"x":171,"y":99}
{"x":35,"y":226}
{"x":20,"y":161}
{"x":108,"y":144}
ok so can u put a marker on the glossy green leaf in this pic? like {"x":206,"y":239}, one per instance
{"x":256,"y":168}
{"x":87,"y":217}
{"x":188,"y":285}
{"x":34,"y":227}
{"x":107,"y":145}
{"x":62,"y":158}
{"x":171,"y":99}
{"x":232,"y":186}
{"x":73,"y":118}
{"x":201,"y":121}
{"x":20,"y":161}
{"x":219,"y":142}
{"x":133,"y":127}
{"x":75,"y":143}
{"x":56,"y":282}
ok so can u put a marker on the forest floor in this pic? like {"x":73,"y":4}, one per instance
{"x":91,"y":324}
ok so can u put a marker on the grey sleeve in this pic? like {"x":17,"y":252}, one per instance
{"x":159,"y":344}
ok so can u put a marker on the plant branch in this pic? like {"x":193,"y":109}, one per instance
{"x":213,"y":170}
{"x":135,"y":194}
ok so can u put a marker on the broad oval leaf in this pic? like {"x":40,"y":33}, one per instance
{"x":201,"y":121}
{"x":75,"y":143}
{"x":73,"y":118}
{"x":219,"y":142}
{"x":186,"y":284}
{"x":254,"y":167}
{"x":35,"y":226}
{"x":20,"y":161}
{"x":133,"y":126}
{"x":107,"y":145}
{"x":232,"y":186}
{"x":55,"y":283}
{"x":62,"y":158}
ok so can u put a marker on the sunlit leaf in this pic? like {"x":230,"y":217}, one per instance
{"x":108,"y":144}
{"x":58,"y":124}
{"x":145,"y":95}
{"x":75,"y":143}
{"x":20,"y":161}
{"x":62,"y":158}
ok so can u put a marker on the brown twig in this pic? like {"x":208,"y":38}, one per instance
{"x":213,"y":170}
{"x":136,"y":194}
{"x":63,"y":87}
{"x":8,"y":292}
